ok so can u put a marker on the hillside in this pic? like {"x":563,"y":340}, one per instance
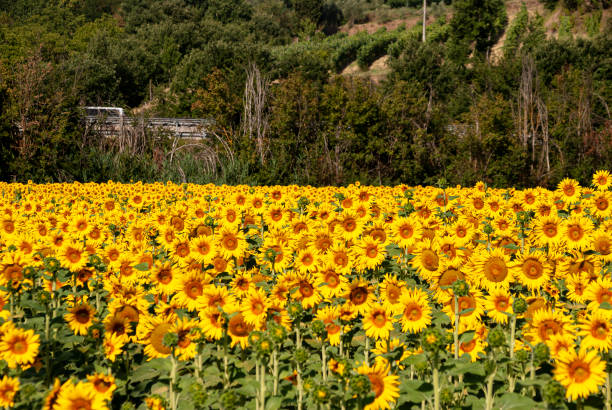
{"x":579,"y":23}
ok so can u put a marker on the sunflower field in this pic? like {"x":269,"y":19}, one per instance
{"x":165,"y":296}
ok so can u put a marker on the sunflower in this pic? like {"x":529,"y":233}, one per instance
{"x":351,"y":225}
{"x":72,"y":255}
{"x":19,"y":347}
{"x":360,"y":295}
{"x":80,"y":318}
{"x":369,"y":253}
{"x":242,"y":283}
{"x":191,"y":287}
{"x":576,"y":285}
{"x":602,"y":244}
{"x":330,"y":316}
{"x":340,"y":258}
{"x":559,"y":343}
{"x":378,"y":322}
{"x":596,"y":331}
{"x":186,"y":329}
{"x":305,"y":261}
{"x":405,"y":232}
{"x":498,"y":305}
{"x":165,"y":278}
{"x":547,"y":322}
{"x":180,"y":250}
{"x":577,"y":232}
{"x":113,"y":345}
{"x":597,"y":292}
{"x":385,"y":386}
{"x":387,"y":346}
{"x":416,"y":311}
{"x":581,"y":373}
{"x":532,"y":270}
{"x":600,"y":204}
{"x":547,"y":230}
{"x":9,"y":386}
{"x":602,"y":180}
{"x":471,"y":307}
{"x":51,"y":397}
{"x":117,"y":325}
{"x":491,"y":268}
{"x":231,"y":243}
{"x":151,"y":332}
{"x":569,"y":189}
{"x":254,"y":307}
{"x":79,"y":396}
{"x":239,"y":331}
{"x":102,"y":384}
{"x":211,"y":323}
{"x":307,"y":292}
{"x":330,"y":283}
{"x":390,"y":291}
{"x":426,"y":260}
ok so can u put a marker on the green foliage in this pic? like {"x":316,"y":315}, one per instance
{"x":479,"y":21}
{"x":565,"y":28}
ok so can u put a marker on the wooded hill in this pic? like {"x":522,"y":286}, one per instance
{"x":310,"y":92}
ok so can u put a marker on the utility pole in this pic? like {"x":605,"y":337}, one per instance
{"x":424,"y":17}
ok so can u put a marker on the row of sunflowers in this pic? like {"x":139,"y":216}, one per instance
{"x":165,"y":296}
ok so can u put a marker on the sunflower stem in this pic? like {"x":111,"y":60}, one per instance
{"x":512,"y":381}
{"x":226,"y":379}
{"x":367,"y":351}
{"x":323,"y":361}
{"x":456,"y":329}
{"x":608,"y":394}
{"x":275,"y":367}
{"x":298,"y":342}
{"x":258,"y":380}
{"x":436,"y":387}
{"x":489,"y":393}
{"x":173,"y":399}
{"x":262,"y":386}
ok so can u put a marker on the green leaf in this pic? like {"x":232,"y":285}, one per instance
{"x":142,"y":266}
{"x":467,"y":337}
{"x":605,"y":305}
{"x":274,"y":403}
{"x":464,"y":311}
{"x":515,"y":401}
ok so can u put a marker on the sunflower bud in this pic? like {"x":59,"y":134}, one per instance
{"x":522,"y":356}
{"x":170,"y":339}
{"x":432,"y":340}
{"x":321,"y":393}
{"x":497,"y":337}
{"x":277,"y":332}
{"x":309,"y":384}
{"x":301,"y":355}
{"x":230,"y":400}
{"x":446,"y":397}
{"x":461,"y":288}
{"x":360,"y":385}
{"x":553,"y":393}
{"x":254,"y":338}
{"x":51,"y":264}
{"x":519,"y":306}
{"x":265,"y":346}
{"x":541,"y":353}
{"x":318,"y":328}
{"x":295,"y":310}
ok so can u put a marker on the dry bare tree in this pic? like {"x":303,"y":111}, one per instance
{"x":255,"y":124}
{"x":531,"y":118}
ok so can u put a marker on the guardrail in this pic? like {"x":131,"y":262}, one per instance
{"x":180,"y":127}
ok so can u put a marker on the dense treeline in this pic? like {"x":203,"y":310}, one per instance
{"x":270,"y":73}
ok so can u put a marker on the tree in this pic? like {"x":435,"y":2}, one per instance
{"x":478,"y":22}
